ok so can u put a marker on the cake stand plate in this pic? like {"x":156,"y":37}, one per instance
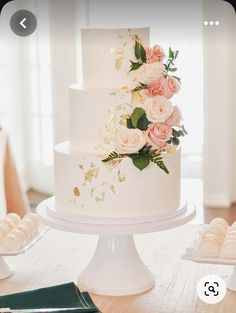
{"x":116,"y":268}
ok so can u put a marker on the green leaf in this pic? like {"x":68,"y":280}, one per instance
{"x":134,"y":66}
{"x":184,"y":130}
{"x":143,"y":54}
{"x":176,"y":54}
{"x":136,"y":115}
{"x":140,"y":161}
{"x":172,"y":69}
{"x":171,"y":53}
{"x":137,"y":50}
{"x":175,"y":133}
{"x":129,"y":123}
{"x":143,"y":123}
{"x":175,"y":141}
{"x":113,"y":155}
{"x":181,"y":133}
{"x":178,"y":78}
{"x":140,"y":87}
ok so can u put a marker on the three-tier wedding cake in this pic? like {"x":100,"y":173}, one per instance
{"x":122,"y":159}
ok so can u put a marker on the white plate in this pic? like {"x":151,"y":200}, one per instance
{"x":192,"y":254}
{"x":30,"y":243}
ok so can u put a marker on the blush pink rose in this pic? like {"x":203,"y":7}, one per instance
{"x":155,"y":89}
{"x":175,"y":118}
{"x":158,"y":109}
{"x":155,"y":54}
{"x":129,"y":140}
{"x":170,"y":86}
{"x":158,"y":134}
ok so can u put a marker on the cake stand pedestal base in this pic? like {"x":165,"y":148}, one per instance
{"x":6,"y":270}
{"x":116,"y":269}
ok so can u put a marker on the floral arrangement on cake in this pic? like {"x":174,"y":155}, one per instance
{"x":155,"y":125}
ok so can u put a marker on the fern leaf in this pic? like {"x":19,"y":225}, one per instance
{"x":112,"y":156}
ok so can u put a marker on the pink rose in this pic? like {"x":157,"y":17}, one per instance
{"x":148,"y":73}
{"x":158,"y":134}
{"x":129,"y":140}
{"x":175,"y":118}
{"x":154,"y":54}
{"x":158,"y":109}
{"x":170,"y":86}
{"x":155,"y":89}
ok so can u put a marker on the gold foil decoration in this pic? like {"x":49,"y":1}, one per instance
{"x":101,"y":198}
{"x":113,"y":188}
{"x":136,"y":97}
{"x":118,"y":63}
{"x":81,"y":166}
{"x":121,"y":177}
{"x":91,"y":174}
{"x":76,"y":192}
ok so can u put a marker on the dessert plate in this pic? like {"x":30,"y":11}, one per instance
{"x":192,"y":254}
{"x":30,"y":243}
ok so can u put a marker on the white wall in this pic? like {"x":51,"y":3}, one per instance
{"x":219,"y":88}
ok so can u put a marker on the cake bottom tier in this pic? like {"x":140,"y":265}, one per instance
{"x":85,"y":186}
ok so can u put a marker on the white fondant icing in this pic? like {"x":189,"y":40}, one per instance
{"x":106,"y":55}
{"x":94,"y":116}
{"x":84,"y":185}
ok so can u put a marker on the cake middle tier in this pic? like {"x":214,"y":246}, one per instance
{"x":95,"y":115}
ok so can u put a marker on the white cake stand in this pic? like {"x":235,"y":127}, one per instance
{"x":116,"y":269}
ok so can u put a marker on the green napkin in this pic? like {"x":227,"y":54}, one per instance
{"x":60,"y":296}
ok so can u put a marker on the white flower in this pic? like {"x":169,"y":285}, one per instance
{"x":129,"y":140}
{"x":147,"y":73}
{"x":158,"y":109}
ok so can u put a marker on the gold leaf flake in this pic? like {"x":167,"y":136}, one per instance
{"x":136,"y":97}
{"x":118,"y":63}
{"x":121,"y":176}
{"x":112,"y":164}
{"x":91,"y":174}
{"x":113,"y":188}
{"x":120,"y":51}
{"x":101,"y":198}
{"x":81,"y":166}
{"x":92,"y":164}
{"x":113,"y":93}
{"x":92,"y":191}
{"x":76,"y":192}
{"x":125,"y":43}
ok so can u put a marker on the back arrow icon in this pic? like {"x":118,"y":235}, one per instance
{"x":22,"y":23}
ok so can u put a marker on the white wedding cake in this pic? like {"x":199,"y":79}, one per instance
{"x":122,"y":159}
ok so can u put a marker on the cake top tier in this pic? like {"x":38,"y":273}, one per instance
{"x":106,"y":55}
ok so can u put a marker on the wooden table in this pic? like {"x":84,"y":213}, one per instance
{"x":60,"y":256}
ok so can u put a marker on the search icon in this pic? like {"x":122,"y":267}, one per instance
{"x":211,"y":289}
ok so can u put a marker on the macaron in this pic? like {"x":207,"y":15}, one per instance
{"x":209,"y":247}
{"x":14,"y":217}
{"x":220,"y":221}
{"x":20,"y":234}
{"x":5,"y":226}
{"x":29,"y":224}
{"x":216,"y":231}
{"x":11,"y":242}
{"x":33,"y":217}
{"x":25,"y":230}
{"x":8,"y":222}
{"x":228,"y":250}
{"x":4,"y":229}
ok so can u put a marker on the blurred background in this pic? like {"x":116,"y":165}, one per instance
{"x":35,"y":72}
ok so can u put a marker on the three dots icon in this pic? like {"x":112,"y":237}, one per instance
{"x":211,"y":23}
